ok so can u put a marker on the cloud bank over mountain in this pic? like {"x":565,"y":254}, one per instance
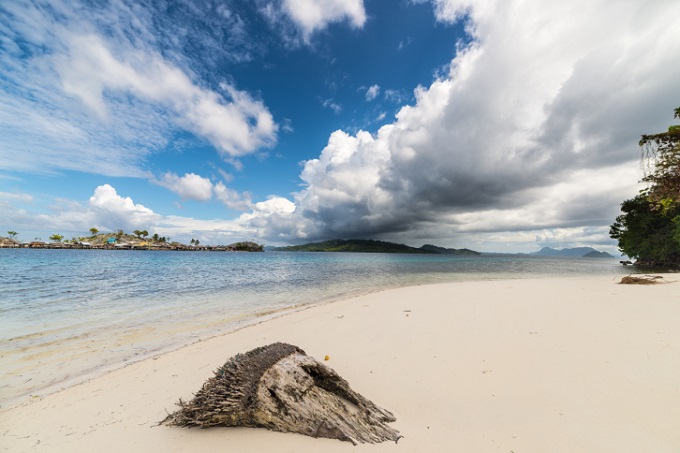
{"x":534,"y":126}
{"x":526,"y":136}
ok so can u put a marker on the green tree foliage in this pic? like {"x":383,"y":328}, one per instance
{"x":56,"y":237}
{"x":246,"y":247}
{"x":649,"y":228}
{"x":12,"y":234}
{"x":93,"y":231}
{"x":661,"y":153}
{"x":140,"y":233}
{"x":646,"y":234}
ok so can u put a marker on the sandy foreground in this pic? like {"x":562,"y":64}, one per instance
{"x":568,"y":364}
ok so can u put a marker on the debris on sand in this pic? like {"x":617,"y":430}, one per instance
{"x":643,"y":280}
{"x":281,"y":388}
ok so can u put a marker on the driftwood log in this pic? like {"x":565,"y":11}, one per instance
{"x":280,"y":388}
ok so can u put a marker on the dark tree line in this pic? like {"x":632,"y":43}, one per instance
{"x":649,"y":228}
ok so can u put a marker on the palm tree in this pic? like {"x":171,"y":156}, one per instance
{"x":12,"y":234}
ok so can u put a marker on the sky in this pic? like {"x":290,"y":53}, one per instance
{"x":495,"y":125}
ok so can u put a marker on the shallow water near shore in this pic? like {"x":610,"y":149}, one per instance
{"x":66,"y":314}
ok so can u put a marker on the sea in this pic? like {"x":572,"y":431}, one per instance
{"x":68,"y":315}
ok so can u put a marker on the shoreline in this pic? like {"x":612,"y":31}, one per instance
{"x":227,"y":326}
{"x":221,"y":326}
{"x":559,"y":364}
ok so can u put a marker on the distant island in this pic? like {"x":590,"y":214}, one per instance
{"x":371,"y":246}
{"x":120,"y":240}
{"x":141,"y":240}
{"x":577,"y":252}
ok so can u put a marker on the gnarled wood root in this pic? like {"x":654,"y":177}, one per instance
{"x":280,"y":388}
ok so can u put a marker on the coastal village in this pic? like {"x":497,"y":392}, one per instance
{"x":139,"y":240}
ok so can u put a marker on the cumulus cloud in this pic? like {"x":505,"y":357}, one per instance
{"x":111,"y":211}
{"x":232,"y":199}
{"x":372,"y":92}
{"x":313,"y":15}
{"x":273,"y":219}
{"x":529,"y":138}
{"x":107,"y":210}
{"x":190,"y":186}
{"x":195,"y":187}
{"x":533,"y":128}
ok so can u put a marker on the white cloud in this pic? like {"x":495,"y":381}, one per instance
{"x":530,"y":138}
{"x":273,"y":220}
{"x":75,"y":98}
{"x":454,"y":10}
{"x":232,"y":199}
{"x":232,"y":121}
{"x":405,"y":43}
{"x":372,"y":92}
{"x":313,"y":15}
{"x":396,"y":96}
{"x":195,"y":187}
{"x":106,"y":210}
{"x":534,"y":128}
{"x":18,"y":197}
{"x":111,"y":211}
{"x":190,"y":186}
{"x":331,"y":104}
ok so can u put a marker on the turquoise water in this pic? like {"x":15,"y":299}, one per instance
{"x":66,"y":314}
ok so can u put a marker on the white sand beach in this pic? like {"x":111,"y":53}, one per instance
{"x":559,"y":365}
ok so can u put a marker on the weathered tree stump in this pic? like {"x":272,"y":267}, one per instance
{"x":640,"y":280}
{"x":279,"y":387}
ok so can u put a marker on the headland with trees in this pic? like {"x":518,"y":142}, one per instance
{"x":649,"y":228}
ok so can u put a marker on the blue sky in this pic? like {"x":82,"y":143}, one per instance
{"x":493,"y":125}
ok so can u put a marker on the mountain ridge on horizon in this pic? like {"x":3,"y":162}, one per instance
{"x":377,"y":246}
{"x":574,"y":252}
{"x":371,"y":246}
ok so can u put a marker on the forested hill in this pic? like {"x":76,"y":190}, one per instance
{"x":445,"y":251}
{"x":353,"y":245}
{"x":577,"y":252}
{"x":370,"y":246}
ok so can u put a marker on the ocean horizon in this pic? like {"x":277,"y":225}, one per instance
{"x":68,"y":315}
